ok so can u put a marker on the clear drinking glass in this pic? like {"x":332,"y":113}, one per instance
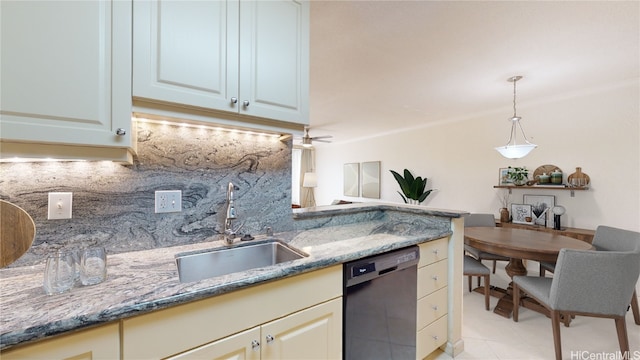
{"x":59,"y":273}
{"x":93,"y":266}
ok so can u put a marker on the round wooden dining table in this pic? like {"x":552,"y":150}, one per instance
{"x":519,"y":244}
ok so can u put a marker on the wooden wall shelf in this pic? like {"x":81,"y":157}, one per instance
{"x":558,"y":187}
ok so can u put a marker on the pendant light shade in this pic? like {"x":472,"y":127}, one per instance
{"x":513,"y":150}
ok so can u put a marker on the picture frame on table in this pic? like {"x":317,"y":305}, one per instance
{"x":503,"y":177}
{"x":520,"y":213}
{"x":541,"y":206}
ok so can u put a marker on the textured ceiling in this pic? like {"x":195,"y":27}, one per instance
{"x":382,"y":66}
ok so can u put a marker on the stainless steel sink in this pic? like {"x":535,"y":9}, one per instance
{"x":194,"y":266}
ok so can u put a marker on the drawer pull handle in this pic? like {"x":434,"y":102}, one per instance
{"x":255,"y":345}
{"x":435,"y":307}
{"x":435,"y":277}
{"x":435,"y":251}
{"x":435,"y":337}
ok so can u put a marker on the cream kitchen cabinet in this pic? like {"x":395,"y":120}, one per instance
{"x":98,"y":343}
{"x":66,"y":79}
{"x":249,"y":58}
{"x":303,"y":315}
{"x":432,"y":297}
{"x":313,"y":332}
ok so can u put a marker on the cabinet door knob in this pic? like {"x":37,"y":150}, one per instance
{"x":234,"y":100}
{"x":435,"y":277}
{"x":269,"y":339}
{"x":121,"y":132}
{"x":255,"y":345}
{"x":245,"y":103}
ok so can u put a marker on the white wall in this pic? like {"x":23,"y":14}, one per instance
{"x":597,"y":130}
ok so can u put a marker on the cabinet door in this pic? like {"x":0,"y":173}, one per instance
{"x":66,"y":72}
{"x":314,"y":333}
{"x":274,"y":59}
{"x":235,"y":347}
{"x":186,"y":52}
{"x":99,"y":343}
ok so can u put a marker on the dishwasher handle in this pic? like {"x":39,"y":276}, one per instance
{"x":388,"y":270}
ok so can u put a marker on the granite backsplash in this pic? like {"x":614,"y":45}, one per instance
{"x":113,"y":204}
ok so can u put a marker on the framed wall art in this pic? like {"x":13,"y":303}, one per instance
{"x":351,"y":176}
{"x":541,"y":206}
{"x":521,"y":213}
{"x":503,"y":177}
{"x":371,"y":179}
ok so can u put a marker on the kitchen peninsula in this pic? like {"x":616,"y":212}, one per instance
{"x":143,"y":285}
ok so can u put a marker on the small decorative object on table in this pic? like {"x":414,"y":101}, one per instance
{"x":520,"y":213}
{"x":558,"y":211}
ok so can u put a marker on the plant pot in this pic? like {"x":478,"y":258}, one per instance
{"x":521,"y":182}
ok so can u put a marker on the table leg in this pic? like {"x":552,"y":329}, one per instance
{"x":515,"y":268}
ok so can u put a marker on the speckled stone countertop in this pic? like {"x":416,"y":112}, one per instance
{"x":143,"y":281}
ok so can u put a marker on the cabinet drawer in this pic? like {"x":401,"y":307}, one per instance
{"x":431,"y":337}
{"x":432,"y":307}
{"x":433,"y":251}
{"x":432,"y":278}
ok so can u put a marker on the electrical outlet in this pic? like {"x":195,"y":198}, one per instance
{"x":59,"y":205}
{"x":168,"y":201}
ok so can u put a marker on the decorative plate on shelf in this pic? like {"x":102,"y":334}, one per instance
{"x":546,"y":169}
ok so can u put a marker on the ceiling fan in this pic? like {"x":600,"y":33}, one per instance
{"x":307,"y":141}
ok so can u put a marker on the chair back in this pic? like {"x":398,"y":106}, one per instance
{"x":596,"y":282}
{"x":479,"y":220}
{"x":613,"y":239}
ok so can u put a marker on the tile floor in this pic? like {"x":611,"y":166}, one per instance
{"x":490,"y":336}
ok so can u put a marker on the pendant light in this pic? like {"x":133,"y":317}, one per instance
{"x":513,"y":150}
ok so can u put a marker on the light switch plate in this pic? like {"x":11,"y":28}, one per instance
{"x":60,"y":205}
{"x":168,"y":201}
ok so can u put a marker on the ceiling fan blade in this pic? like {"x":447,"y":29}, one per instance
{"x":321,"y":137}
{"x":324,"y":141}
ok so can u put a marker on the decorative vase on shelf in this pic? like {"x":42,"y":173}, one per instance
{"x":556,"y":177}
{"x":504,"y":215}
{"x":520,"y":182}
{"x":578,"y":178}
{"x":543,"y":179}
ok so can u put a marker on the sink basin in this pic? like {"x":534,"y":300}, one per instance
{"x":194,"y":266}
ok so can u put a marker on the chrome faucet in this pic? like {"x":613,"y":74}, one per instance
{"x":229,"y":231}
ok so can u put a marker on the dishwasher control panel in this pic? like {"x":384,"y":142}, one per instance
{"x":378,"y":265}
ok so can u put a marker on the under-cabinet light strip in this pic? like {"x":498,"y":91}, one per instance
{"x":208,"y":127}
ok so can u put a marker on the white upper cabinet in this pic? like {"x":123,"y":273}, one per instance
{"x":240,"y":57}
{"x":66,"y":78}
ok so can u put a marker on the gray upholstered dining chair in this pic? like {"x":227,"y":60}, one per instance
{"x":473,"y":267}
{"x":478,"y":219}
{"x":590,"y":283}
{"x":609,"y":238}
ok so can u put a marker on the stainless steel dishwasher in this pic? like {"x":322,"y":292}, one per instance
{"x":380,"y":306}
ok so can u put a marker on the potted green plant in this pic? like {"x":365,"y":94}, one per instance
{"x":518,"y":175}
{"x":413,"y":188}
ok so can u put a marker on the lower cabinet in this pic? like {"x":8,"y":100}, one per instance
{"x":432,"y":297}
{"x":316,"y":331}
{"x":293,"y":318}
{"x":93,"y":344}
